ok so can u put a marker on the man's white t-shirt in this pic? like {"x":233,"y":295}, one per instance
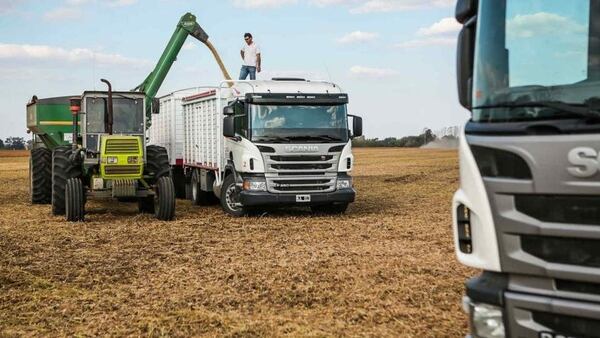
{"x":250,"y":52}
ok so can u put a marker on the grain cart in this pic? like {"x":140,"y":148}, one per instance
{"x":528,"y":209}
{"x":281,"y":142}
{"x":95,"y":145}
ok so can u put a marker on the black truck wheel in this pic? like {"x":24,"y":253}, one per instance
{"x":74,"y":200}
{"x":330,"y":209}
{"x":230,"y":198}
{"x":157,"y":163}
{"x":40,"y":176}
{"x":62,"y":170}
{"x":164,"y":199}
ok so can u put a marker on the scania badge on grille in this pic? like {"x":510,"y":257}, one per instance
{"x":585,"y":161}
{"x":301,"y":149}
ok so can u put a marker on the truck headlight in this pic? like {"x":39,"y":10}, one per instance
{"x":112,"y":160}
{"x":487,"y":321}
{"x":133,"y":160}
{"x":255,"y":185}
{"x":344,"y":184}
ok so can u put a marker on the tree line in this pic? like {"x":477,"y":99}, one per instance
{"x":13,"y":143}
{"x":405,"y":142}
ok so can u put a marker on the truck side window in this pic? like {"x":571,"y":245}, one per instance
{"x":241,"y":119}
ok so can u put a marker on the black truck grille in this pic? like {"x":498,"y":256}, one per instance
{"x":571,"y":251}
{"x":568,"y":325}
{"x":584,"y":210}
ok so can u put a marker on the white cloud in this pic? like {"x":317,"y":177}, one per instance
{"x":63,"y":55}
{"x":426,"y":42}
{"x":371,"y":6}
{"x":263,"y":3}
{"x":62,"y":13}
{"x":444,"y":26}
{"x":189,"y":45}
{"x":542,"y":23}
{"x":120,"y":3}
{"x":357,"y":37}
{"x":302,"y":74}
{"x":374,"y":73}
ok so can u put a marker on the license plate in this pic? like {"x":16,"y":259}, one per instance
{"x":302,"y":198}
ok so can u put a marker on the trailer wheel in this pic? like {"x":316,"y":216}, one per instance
{"x":157,"y":163}
{"x":74,"y":200}
{"x":330,"y":209}
{"x":179,"y":181}
{"x":230,"y":198}
{"x":62,"y":170}
{"x":40,"y":176}
{"x":200,"y":197}
{"x":164,"y":199}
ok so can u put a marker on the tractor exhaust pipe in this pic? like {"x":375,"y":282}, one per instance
{"x":109,"y":120}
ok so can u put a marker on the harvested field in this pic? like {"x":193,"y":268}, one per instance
{"x":386,"y":268}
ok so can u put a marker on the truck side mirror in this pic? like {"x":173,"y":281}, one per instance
{"x":465,"y":9}
{"x":155,"y":106}
{"x":357,"y":126}
{"x":229,"y":126}
{"x":465,"y":63}
{"x":228,"y":111}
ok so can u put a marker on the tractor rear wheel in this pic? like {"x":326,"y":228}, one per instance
{"x":75,"y":200}
{"x":62,"y":170}
{"x":40,"y":176}
{"x":157,"y":163}
{"x":164,"y":199}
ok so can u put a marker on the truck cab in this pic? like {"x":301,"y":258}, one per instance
{"x":528,"y":209}
{"x":289,"y":142}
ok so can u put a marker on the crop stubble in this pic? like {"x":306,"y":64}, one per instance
{"x":386,"y":268}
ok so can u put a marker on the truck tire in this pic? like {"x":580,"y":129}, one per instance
{"x":40,"y":176}
{"x":164,"y":199}
{"x":62,"y":170}
{"x":179,"y":181}
{"x":330,"y":209}
{"x":229,"y":198}
{"x":74,"y":200}
{"x":157,"y":163}
{"x":200,"y":197}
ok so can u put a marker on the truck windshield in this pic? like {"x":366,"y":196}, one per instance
{"x":316,"y":124}
{"x":128,"y":115}
{"x":537,"y":59}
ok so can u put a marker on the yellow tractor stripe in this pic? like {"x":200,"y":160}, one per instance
{"x":56,"y":123}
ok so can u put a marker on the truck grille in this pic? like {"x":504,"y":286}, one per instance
{"x":584,"y":210}
{"x":128,"y":146}
{"x":289,"y":174}
{"x":568,"y":325}
{"x":123,"y":170}
{"x":571,"y":251}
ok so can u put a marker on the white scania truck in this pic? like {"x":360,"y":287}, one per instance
{"x":528,"y":209}
{"x":261,"y":143}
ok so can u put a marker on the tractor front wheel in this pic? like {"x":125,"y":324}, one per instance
{"x":75,"y":200}
{"x":62,"y":170}
{"x":164,"y":199}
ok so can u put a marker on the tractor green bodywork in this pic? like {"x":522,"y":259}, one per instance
{"x":51,"y":121}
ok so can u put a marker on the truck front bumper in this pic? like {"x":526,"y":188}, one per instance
{"x":254,"y":198}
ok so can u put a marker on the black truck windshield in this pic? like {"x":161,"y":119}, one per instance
{"x":128,"y":115}
{"x":537,"y":59}
{"x":316,"y":124}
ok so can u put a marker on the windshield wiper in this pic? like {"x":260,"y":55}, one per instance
{"x":271,"y":139}
{"x":578,"y":109}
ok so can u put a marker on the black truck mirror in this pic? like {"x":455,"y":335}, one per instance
{"x":465,"y":63}
{"x":228,"y":111}
{"x":229,"y":126}
{"x":357,"y":126}
{"x":466,"y":9}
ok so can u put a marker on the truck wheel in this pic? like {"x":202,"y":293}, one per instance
{"x":62,"y":170}
{"x":157,"y":163}
{"x":146,"y":205}
{"x":200,"y":197}
{"x":164,"y":199}
{"x":230,"y":198}
{"x":179,"y":181}
{"x":330,"y":209}
{"x":74,"y":200}
{"x":40,"y":176}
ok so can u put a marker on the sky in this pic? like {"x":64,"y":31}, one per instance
{"x":395,"y":58}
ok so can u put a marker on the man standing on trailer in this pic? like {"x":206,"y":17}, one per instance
{"x":251,"y":56}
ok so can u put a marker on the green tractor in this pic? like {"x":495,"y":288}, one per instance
{"x":108,"y":158}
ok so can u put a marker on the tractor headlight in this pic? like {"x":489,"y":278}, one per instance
{"x":133,"y":160}
{"x":251,"y":185}
{"x":112,"y":160}
{"x":344,"y":184}
{"x":487,"y":320}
